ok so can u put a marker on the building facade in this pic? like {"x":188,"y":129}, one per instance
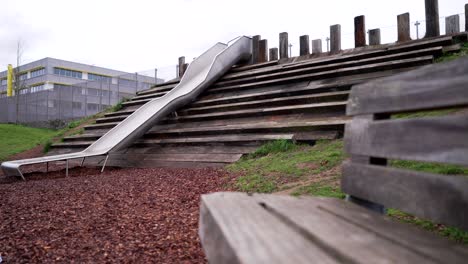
{"x":52,"y":89}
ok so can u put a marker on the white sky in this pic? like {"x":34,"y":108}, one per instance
{"x":143,"y":34}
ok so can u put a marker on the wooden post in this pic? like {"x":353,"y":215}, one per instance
{"x":273,"y":54}
{"x":263,"y":50}
{"x":403,"y":27}
{"x":316,"y":46}
{"x":374,"y":37}
{"x":359,"y":31}
{"x":335,"y":38}
{"x":283,"y":45}
{"x":255,"y":46}
{"x":304,"y":45}
{"x":452,"y":25}
{"x":181,"y":66}
{"x":432,"y":18}
{"x":185,"y":68}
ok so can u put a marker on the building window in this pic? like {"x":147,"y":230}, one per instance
{"x":93,"y":107}
{"x":68,"y":73}
{"x":23,"y":76}
{"x":76,"y":105}
{"x":23,"y":91}
{"x":97,"y":77}
{"x":37,"y":73}
{"x":93,"y":92}
{"x":37,"y":88}
{"x":4,"y":81}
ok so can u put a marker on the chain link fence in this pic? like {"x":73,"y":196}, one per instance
{"x":55,"y":107}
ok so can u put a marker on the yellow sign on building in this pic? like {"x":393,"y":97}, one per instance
{"x":10,"y":80}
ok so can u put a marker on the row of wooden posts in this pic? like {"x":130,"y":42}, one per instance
{"x":261,"y":53}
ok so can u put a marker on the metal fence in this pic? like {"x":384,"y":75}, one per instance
{"x":56,"y":106}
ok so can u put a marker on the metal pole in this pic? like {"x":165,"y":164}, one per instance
{"x":109,"y":92}
{"x":100,"y":95}
{"x":73,"y":108}
{"x":82,"y":161}
{"x":290,"y":50}
{"x":66,"y":170}
{"x":136,"y":83}
{"x":156,"y":76}
{"x":417,"y":29}
{"x":118,"y":89}
{"x":86,"y":99}
{"x":105,"y":162}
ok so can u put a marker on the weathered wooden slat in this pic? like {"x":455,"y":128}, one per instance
{"x":222,"y":138}
{"x":341,"y":72}
{"x":209,"y":149}
{"x":263,"y":51}
{"x":335,"y":38}
{"x":273,"y":54}
{"x":434,"y":86}
{"x":304,"y":45}
{"x":283,"y":45}
{"x":437,"y":139}
{"x":316,"y":46}
{"x":359,"y":31}
{"x":255,"y":48}
{"x":432,"y":18}
{"x":238,"y":230}
{"x":452,"y":24}
{"x":264,"y":111}
{"x":403,"y":21}
{"x":290,"y":100}
{"x":441,"y":198}
{"x":415,"y":46}
{"x":374,"y":37}
{"x":331,"y":66}
{"x":330,"y":226}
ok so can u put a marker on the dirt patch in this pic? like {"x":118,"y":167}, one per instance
{"x":308,"y":165}
{"x":122,"y":215}
{"x":328,"y":176}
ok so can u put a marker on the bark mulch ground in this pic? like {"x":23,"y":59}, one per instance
{"x":122,"y":215}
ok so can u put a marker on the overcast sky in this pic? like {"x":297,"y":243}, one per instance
{"x":143,"y":34}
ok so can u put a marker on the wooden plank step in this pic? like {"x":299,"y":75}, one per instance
{"x":296,"y":88}
{"x":284,"y":71}
{"x":148,"y":96}
{"x":334,"y":124}
{"x":246,"y":228}
{"x":183,"y":149}
{"x":101,"y":126}
{"x":253,"y":66}
{"x":183,"y":116}
{"x":306,"y":136}
{"x":319,"y":108}
{"x":282,"y":101}
{"x":333,"y":73}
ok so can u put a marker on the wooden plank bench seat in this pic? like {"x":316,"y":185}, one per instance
{"x":260,"y":228}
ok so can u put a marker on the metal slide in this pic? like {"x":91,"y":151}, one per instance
{"x":200,"y":74}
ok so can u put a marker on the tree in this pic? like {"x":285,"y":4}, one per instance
{"x":19,"y":83}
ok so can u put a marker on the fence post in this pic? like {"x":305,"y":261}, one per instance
{"x":466,"y":17}
{"x":181,"y":66}
{"x":263,"y":50}
{"x":47,"y":105}
{"x":136,"y":80}
{"x":403,"y":21}
{"x":283,"y":45}
{"x":109,"y":92}
{"x":374,"y":37}
{"x":359,"y":31}
{"x":335,"y":38}
{"x":316,"y":46}
{"x":432,"y":18}
{"x":100,"y":95}
{"x":304,"y":45}
{"x":273,"y":54}
{"x":72,"y":101}
{"x":155,"y":76}
{"x":452,"y":25}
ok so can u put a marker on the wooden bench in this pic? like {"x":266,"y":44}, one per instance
{"x":259,"y":228}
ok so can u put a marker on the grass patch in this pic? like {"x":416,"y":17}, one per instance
{"x":320,"y":189}
{"x":269,"y":166}
{"x":430,"y":167}
{"x":277,"y":146}
{"x":429,"y":113}
{"x":446,"y":231}
{"x":18,"y":138}
{"x":454,"y":55}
